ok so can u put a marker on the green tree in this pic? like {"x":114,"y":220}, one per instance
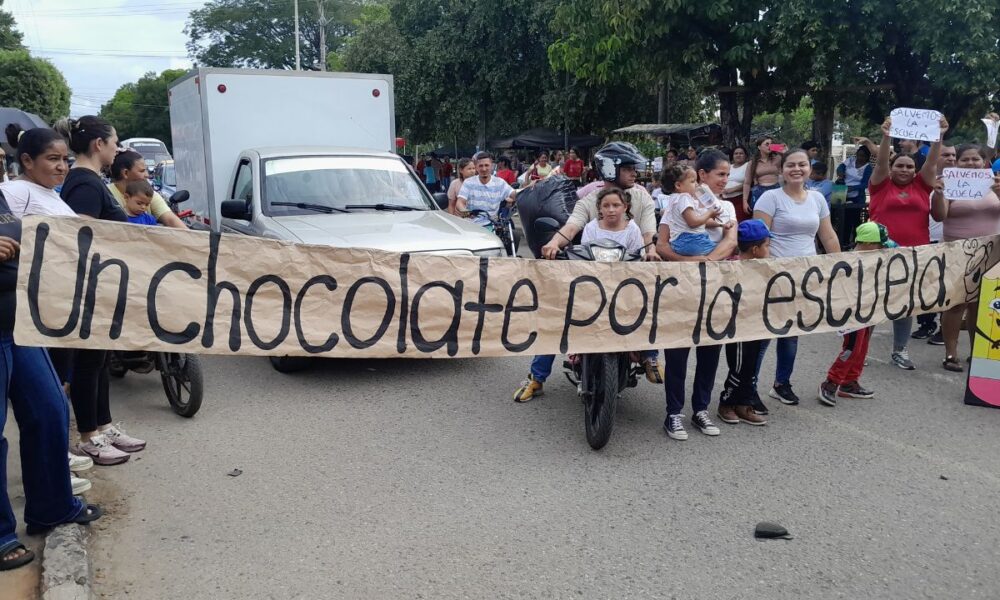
{"x":140,"y":109}
{"x":480,"y":69}
{"x":33,"y":85}
{"x":261,"y":33}
{"x":10,"y":37}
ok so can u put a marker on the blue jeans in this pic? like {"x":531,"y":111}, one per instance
{"x":29,"y":381}
{"x":788,"y":347}
{"x":541,"y":364}
{"x":693,"y":244}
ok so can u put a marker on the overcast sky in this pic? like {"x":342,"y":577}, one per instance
{"x":101,"y":44}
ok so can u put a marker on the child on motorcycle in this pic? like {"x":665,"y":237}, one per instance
{"x":138,"y":196}
{"x":614,"y":223}
{"x":690,"y":210}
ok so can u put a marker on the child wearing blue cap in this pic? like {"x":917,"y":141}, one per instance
{"x":739,"y":401}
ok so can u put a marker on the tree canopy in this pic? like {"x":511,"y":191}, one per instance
{"x":10,"y":37}
{"x":261,"y":33}
{"x":33,"y":85}
{"x":140,"y":109}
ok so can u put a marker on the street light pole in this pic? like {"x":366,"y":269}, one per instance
{"x":298,"y":55}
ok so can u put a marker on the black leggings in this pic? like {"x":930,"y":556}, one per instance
{"x":86,"y":371}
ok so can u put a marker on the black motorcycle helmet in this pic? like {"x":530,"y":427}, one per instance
{"x":614,"y":155}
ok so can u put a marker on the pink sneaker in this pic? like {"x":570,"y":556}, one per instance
{"x":100,"y":449}
{"x":124,"y":442}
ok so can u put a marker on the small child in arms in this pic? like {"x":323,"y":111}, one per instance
{"x":138,"y":195}
{"x":690,"y":210}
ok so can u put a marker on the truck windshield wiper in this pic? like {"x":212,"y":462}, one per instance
{"x":382,"y":206}
{"x":316,"y":207}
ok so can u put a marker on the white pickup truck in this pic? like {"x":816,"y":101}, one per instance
{"x":306,"y":157}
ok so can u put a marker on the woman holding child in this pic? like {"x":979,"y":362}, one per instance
{"x":712,"y":169}
{"x":794,"y":215}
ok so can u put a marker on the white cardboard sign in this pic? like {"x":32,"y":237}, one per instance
{"x":915,"y":124}
{"x":966,"y":184}
{"x":992,"y":127}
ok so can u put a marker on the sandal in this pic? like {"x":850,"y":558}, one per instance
{"x":7,"y":564}
{"x":88,"y":514}
{"x":951,"y":364}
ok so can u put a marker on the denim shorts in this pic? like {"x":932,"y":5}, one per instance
{"x":692,"y":244}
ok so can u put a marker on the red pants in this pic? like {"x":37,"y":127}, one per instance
{"x":851,"y":360}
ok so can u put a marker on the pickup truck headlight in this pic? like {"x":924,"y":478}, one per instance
{"x":488,"y":252}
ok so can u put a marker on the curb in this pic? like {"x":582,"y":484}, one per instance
{"x":66,"y":572}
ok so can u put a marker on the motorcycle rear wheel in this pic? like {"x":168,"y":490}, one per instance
{"x":182,"y":381}
{"x":599,"y":406}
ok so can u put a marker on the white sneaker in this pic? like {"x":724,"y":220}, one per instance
{"x":102,"y":452}
{"x":79,"y":463}
{"x":80,"y":485}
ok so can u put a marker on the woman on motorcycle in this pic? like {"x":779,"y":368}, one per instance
{"x":130,"y":166}
{"x":466,"y":169}
{"x":94,"y":141}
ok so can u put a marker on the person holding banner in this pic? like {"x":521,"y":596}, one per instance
{"x":95,"y":143}
{"x":795,"y":215}
{"x":964,"y":219}
{"x":42,"y":154}
{"x":713,"y":173}
{"x":900,"y":199}
{"x":29,"y":383}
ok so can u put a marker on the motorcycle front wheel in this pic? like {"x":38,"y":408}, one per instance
{"x":599,"y":406}
{"x":182,"y":381}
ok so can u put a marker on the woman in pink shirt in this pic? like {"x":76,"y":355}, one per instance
{"x":964,"y":219}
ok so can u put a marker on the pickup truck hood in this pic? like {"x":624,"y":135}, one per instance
{"x":403,"y":231}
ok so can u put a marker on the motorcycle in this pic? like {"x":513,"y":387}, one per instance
{"x":599,"y":378}
{"x":502,"y":225}
{"x":181,"y":375}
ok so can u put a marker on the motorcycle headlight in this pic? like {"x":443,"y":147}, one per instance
{"x":602,"y":254}
{"x":489,"y":252}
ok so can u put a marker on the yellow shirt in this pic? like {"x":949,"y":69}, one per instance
{"x":158,"y":207}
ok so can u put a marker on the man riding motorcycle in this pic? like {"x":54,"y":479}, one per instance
{"x":616,"y":163}
{"x":485,"y":192}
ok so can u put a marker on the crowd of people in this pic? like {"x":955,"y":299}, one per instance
{"x":744,"y":204}
{"x":104,"y":183}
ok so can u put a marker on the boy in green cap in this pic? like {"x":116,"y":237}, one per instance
{"x":842,"y":379}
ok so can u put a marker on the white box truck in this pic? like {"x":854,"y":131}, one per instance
{"x":306,"y":157}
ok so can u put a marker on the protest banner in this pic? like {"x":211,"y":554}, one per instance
{"x":915,"y":124}
{"x":983,"y":385}
{"x":97,"y":284}
{"x":966,"y":184}
{"x":992,"y":127}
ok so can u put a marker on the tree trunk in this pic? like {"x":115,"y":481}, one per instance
{"x":822,"y":127}
{"x":661,"y":100}
{"x":729,"y":116}
{"x":481,"y":138}
{"x":321,"y":9}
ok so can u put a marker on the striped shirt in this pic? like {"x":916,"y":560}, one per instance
{"x":484,"y":196}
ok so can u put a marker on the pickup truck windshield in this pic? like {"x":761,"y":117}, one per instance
{"x":341,"y":182}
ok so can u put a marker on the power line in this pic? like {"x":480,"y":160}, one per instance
{"x":110,"y":54}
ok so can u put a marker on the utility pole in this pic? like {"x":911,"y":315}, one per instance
{"x":298,"y":55}
{"x":321,"y":9}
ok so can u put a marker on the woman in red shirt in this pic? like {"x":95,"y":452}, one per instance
{"x":573,"y":167}
{"x":901,"y":200}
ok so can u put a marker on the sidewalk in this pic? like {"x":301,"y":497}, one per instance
{"x":23,"y":583}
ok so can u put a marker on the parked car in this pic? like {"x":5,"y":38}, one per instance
{"x":165,"y":178}
{"x":153,"y":151}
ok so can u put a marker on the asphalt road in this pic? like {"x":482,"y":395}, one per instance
{"x":422,"y":479}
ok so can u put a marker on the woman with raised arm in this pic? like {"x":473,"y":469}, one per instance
{"x":900,"y":199}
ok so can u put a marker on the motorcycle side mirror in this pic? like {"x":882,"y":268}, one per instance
{"x":546,"y":225}
{"x":441,"y":199}
{"x":180,"y":196}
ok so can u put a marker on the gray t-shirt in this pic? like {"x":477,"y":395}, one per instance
{"x":793,"y":224}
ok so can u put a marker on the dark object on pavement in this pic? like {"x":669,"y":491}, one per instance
{"x":943,"y":478}
{"x":771,"y":531}
{"x":235,"y":473}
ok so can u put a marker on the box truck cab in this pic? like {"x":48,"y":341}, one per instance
{"x":306,"y":157}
